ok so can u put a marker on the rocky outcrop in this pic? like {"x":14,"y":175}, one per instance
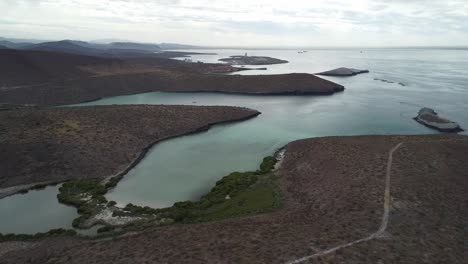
{"x":252,"y":60}
{"x":430,"y":118}
{"x":343,"y":72}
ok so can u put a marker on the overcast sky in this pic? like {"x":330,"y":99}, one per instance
{"x":242,"y":22}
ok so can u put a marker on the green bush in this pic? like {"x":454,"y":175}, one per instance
{"x":135,"y":210}
{"x":100,"y":199}
{"x":50,"y":233}
{"x":79,"y":220}
{"x":185,"y":204}
{"x":112,"y":182}
{"x":268,"y":165}
{"x":106,"y":228}
{"x":229,"y":185}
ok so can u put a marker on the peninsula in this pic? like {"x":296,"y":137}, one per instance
{"x":41,"y":146}
{"x":48,"y":78}
{"x":252,"y":60}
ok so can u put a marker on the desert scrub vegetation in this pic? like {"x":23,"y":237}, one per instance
{"x":267,"y":165}
{"x":86,"y":195}
{"x":237,"y":194}
{"x":28,"y":237}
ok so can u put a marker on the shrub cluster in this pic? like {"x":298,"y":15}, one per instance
{"x":268,"y":165}
{"x":106,"y":228}
{"x":76,"y":193}
{"x":50,"y":233}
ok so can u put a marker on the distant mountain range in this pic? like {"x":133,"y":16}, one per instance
{"x":174,"y":46}
{"x":98,"y":47}
{"x":13,"y":45}
{"x":93,"y":49}
{"x":20,"y":40}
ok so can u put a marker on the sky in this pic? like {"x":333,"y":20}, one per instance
{"x":242,"y":23}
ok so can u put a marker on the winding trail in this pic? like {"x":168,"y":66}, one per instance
{"x":383,"y":224}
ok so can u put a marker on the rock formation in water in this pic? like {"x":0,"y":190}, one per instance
{"x":343,"y":72}
{"x":388,"y":81}
{"x":430,"y":118}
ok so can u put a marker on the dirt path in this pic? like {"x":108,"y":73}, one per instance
{"x":385,"y":216}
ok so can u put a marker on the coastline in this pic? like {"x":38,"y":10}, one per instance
{"x":118,"y":176}
{"x":82,"y":114}
{"x":327,"y":202}
{"x":18,"y":189}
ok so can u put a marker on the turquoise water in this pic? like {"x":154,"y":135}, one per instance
{"x":35,"y":211}
{"x":184,"y":168}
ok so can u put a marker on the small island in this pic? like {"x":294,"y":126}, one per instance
{"x":430,"y":118}
{"x":252,"y":60}
{"x":342,"y":72}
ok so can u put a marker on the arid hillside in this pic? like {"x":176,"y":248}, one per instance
{"x":336,"y":192}
{"x":48,"y":78}
{"x":22,"y":67}
{"x":50,"y":145}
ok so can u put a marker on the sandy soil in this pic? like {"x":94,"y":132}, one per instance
{"x":43,"y":145}
{"x":333,"y":191}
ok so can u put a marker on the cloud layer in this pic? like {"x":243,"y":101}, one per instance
{"x":242,"y":22}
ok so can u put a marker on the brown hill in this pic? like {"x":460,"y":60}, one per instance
{"x":43,"y":145}
{"x":48,"y":78}
{"x":26,"y":67}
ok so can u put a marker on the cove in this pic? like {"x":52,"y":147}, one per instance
{"x":35,"y":211}
{"x":186,"y":167}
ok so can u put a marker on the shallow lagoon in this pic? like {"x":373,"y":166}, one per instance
{"x":184,"y":168}
{"x":35,"y":211}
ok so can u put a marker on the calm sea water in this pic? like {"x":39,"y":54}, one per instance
{"x":184,"y":168}
{"x":35,"y":211}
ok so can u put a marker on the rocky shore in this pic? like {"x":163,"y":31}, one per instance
{"x":330,"y":199}
{"x":59,"y":144}
{"x":341,"y":72}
